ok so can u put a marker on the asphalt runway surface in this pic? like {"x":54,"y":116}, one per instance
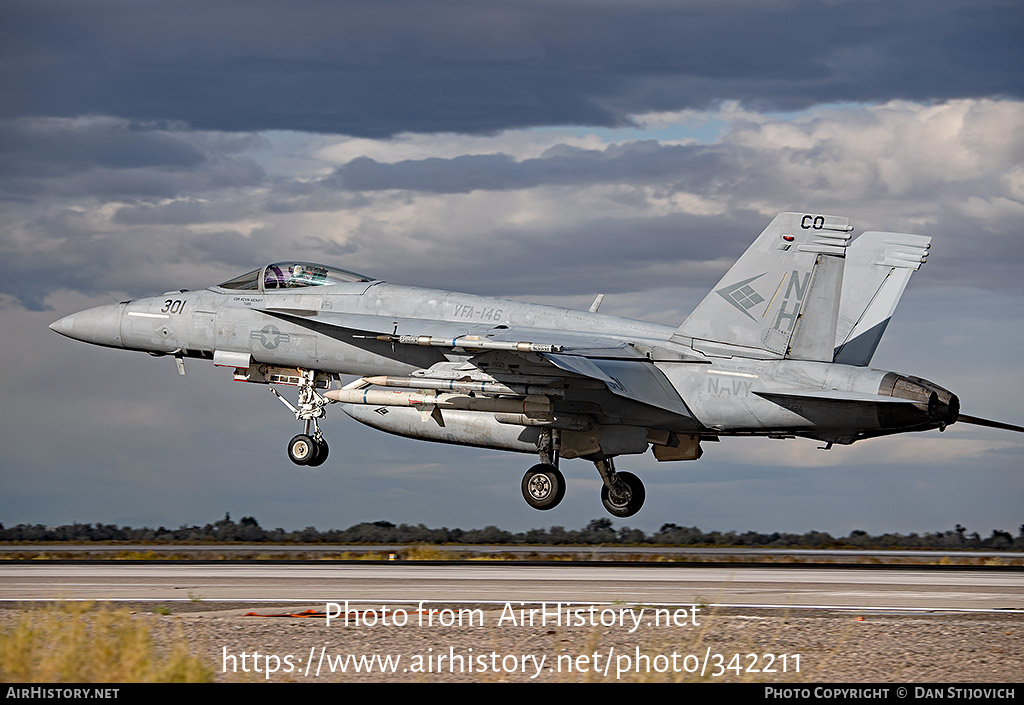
{"x":463,"y":622}
{"x":886,"y":588}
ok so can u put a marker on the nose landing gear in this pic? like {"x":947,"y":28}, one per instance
{"x":308,"y":450}
{"x":309,"y":447}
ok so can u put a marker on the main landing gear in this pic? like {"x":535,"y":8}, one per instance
{"x":622,"y":493}
{"x":543,"y":484}
{"x":309,"y":447}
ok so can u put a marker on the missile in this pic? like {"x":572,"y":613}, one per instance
{"x":455,"y":385}
{"x":565,"y":422}
{"x":466,"y":342}
{"x":535,"y":407}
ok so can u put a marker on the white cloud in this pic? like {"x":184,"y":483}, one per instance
{"x":898,"y":149}
{"x":518,"y":144}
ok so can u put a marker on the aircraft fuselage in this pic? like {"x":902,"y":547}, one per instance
{"x":281,"y":329}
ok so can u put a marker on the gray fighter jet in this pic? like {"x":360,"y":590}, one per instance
{"x":779,"y":348}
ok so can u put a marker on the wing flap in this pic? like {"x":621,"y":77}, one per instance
{"x":639,"y":381}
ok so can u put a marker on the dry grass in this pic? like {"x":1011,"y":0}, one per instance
{"x":426,"y":552}
{"x":83,"y":643}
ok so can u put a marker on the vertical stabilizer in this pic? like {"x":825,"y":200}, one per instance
{"x":878,"y":267}
{"x":781,"y":298}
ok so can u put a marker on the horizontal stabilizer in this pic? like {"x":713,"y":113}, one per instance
{"x":833,"y":395}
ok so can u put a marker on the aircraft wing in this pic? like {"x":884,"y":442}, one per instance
{"x":624,"y":371}
{"x":352,"y":328}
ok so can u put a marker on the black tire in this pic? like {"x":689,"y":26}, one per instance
{"x":321,"y":455}
{"x":625,"y":502}
{"x":543,"y":486}
{"x":302,"y":450}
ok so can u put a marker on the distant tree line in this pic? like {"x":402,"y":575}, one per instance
{"x":598,"y":531}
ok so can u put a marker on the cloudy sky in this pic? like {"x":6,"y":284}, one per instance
{"x":542,"y":151}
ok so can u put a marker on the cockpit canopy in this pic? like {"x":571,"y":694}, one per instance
{"x":292,"y":275}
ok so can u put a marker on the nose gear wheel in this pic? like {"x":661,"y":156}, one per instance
{"x":302,"y":450}
{"x":309,"y":447}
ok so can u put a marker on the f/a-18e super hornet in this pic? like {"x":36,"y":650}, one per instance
{"x":779,"y":348}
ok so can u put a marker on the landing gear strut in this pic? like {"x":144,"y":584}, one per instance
{"x":543,"y":484}
{"x":622,"y":493}
{"x":309,"y":447}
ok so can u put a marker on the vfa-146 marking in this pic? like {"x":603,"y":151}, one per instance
{"x":781,"y":347}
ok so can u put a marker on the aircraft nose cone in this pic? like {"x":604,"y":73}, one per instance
{"x":100,"y":325}
{"x":64,"y":326}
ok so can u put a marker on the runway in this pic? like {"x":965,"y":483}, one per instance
{"x":468,"y":583}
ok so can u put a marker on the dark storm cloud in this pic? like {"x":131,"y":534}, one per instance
{"x":633,"y":162}
{"x":111,"y":157}
{"x":113,"y":184}
{"x":460,"y":65}
{"x":48,"y":147}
